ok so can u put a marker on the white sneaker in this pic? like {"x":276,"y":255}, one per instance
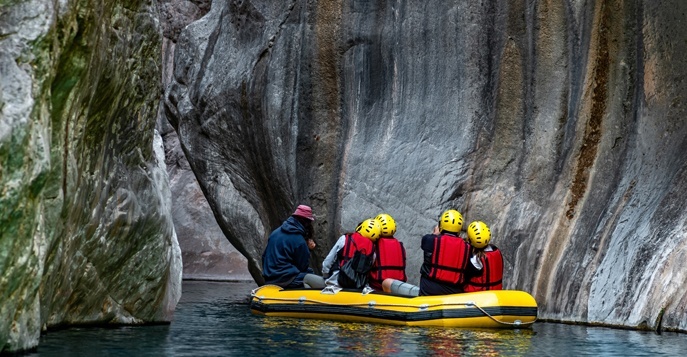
{"x":330,"y":290}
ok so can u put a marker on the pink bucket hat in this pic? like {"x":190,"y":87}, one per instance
{"x":305,"y":212}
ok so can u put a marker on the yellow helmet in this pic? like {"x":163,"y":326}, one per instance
{"x":479,"y":234}
{"x":388,"y":224}
{"x":451,"y":221}
{"x":370,"y":228}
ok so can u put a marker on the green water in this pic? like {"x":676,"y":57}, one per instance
{"x":212,"y":320}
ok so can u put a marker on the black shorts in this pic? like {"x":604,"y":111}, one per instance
{"x":433,"y":287}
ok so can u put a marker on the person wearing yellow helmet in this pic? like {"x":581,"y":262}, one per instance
{"x":445,"y":260}
{"x":360,"y":241}
{"x":446,"y":256}
{"x":486,"y":271}
{"x":390,"y":255}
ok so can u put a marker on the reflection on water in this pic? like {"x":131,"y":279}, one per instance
{"x":309,"y":336}
{"x":210,"y":321}
{"x":449,"y":342}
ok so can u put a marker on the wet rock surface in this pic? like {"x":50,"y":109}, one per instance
{"x":560,"y":124}
{"x":86,"y":232}
{"x":206,"y":252}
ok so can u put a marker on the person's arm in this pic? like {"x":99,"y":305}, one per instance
{"x":311,"y":244}
{"x":476,"y":263}
{"x":331,"y":257}
{"x":302,"y":256}
{"x":427,"y":243}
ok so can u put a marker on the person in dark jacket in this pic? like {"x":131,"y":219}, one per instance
{"x":286,"y":259}
{"x":446,"y":257}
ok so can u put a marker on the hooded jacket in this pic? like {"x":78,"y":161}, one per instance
{"x":286,"y":254}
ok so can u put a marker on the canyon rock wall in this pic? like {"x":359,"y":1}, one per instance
{"x":205,"y":251}
{"x":86,"y":232}
{"x":559,"y":123}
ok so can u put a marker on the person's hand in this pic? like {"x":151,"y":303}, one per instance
{"x":311,"y":244}
{"x":436,"y":230}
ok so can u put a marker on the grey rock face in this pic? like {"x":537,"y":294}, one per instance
{"x":207,"y":254}
{"x":560,"y":124}
{"x":86,"y":233}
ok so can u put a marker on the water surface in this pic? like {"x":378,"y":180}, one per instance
{"x":213,"y":320}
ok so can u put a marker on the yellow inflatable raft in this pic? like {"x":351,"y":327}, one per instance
{"x":484,"y":309}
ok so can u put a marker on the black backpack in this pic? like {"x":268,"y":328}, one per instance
{"x":355,"y":272}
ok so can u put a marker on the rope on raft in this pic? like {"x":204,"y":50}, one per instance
{"x":303,"y":300}
{"x":517,"y":323}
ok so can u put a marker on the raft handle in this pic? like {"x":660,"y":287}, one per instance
{"x":514,"y":323}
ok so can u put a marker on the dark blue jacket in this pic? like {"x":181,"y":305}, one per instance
{"x":286,"y":255}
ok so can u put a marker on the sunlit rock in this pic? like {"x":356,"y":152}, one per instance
{"x":86,"y":234}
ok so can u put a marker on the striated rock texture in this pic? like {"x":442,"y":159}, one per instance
{"x":86,"y":234}
{"x":206,"y":252}
{"x":559,"y":123}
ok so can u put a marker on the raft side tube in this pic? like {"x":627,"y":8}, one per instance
{"x":493,"y":309}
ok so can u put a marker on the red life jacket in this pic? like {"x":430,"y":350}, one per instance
{"x":390,"y":262}
{"x":355,"y":242}
{"x":492,"y":273}
{"x":450,"y":257}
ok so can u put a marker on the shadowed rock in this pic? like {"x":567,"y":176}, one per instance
{"x":206,"y":252}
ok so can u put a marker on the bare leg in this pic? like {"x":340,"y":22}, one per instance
{"x":386,"y":285}
{"x":400,"y":288}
